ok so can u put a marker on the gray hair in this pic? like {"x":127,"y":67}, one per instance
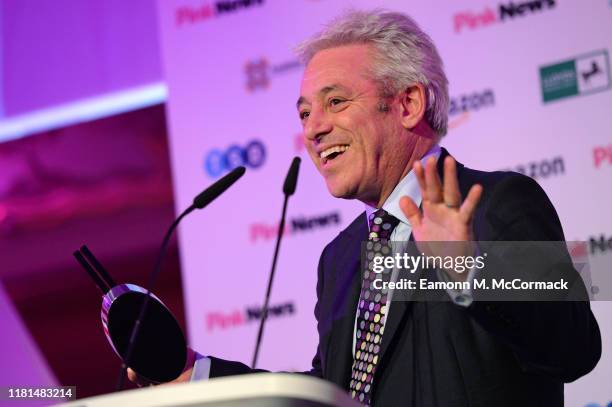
{"x":405,"y":55}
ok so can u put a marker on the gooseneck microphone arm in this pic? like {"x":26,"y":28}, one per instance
{"x":199,"y":202}
{"x":288,"y":189}
{"x":145,"y":304}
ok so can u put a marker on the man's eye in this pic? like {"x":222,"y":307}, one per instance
{"x":304,"y":115}
{"x":335,"y":101}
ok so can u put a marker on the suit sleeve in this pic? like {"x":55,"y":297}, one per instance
{"x":560,"y":338}
{"x":316,"y":369}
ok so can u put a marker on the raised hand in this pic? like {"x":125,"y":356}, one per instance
{"x":443,"y":218}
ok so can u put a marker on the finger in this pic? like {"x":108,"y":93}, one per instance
{"x":136,"y":379}
{"x":452,"y":196}
{"x":420,"y":176}
{"x":412,"y":211}
{"x":469,"y":205}
{"x":132,"y":375}
{"x":432,"y":180}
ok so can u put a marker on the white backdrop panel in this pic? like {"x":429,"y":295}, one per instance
{"x":233,"y":82}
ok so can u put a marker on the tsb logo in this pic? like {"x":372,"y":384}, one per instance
{"x":217,"y":162}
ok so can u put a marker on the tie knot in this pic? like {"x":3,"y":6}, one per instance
{"x":382,"y":224}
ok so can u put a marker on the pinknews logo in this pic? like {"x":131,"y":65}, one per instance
{"x":220,"y":320}
{"x":474,"y":20}
{"x":265,"y":231}
{"x":602,"y":155}
{"x":600,"y":244}
{"x":186,"y":15}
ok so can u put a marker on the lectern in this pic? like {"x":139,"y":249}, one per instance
{"x":252,"y":390}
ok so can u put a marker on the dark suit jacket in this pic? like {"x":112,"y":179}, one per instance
{"x":440,"y":354}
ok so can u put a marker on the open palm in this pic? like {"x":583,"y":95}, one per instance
{"x":442,"y":217}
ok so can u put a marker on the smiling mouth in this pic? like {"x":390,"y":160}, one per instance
{"x":333,"y":152}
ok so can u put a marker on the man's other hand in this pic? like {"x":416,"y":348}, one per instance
{"x":185,"y":376}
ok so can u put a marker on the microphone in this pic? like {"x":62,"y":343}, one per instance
{"x":212,"y":192}
{"x":292,"y":175}
{"x":199,"y":202}
{"x":288,"y":189}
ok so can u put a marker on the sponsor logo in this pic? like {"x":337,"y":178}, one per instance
{"x":189,"y":15}
{"x":578,"y":251}
{"x":504,"y":12}
{"x":218,"y":162}
{"x":541,"y":169}
{"x":259,"y":72}
{"x":600,"y":244}
{"x":471,"y":102}
{"x":602,"y":155}
{"x":585,"y":74}
{"x":263,"y":231}
{"x":220,"y":320}
{"x":461,"y":106}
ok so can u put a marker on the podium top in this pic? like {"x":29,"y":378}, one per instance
{"x":259,"y":389}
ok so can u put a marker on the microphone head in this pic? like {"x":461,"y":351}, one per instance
{"x":292,"y":176}
{"x":212,"y":192}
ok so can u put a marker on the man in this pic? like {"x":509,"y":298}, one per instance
{"x":373,"y":105}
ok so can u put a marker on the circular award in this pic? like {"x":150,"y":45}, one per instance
{"x":159,"y":354}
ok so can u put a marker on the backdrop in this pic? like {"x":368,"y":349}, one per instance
{"x":530,"y":88}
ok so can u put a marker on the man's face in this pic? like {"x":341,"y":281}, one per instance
{"x":353,"y":135}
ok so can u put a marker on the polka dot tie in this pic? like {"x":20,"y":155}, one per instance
{"x":372,"y":309}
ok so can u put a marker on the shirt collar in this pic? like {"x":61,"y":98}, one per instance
{"x":407,"y":186}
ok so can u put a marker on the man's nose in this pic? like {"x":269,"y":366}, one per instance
{"x":317,"y":125}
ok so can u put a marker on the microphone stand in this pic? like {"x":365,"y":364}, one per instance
{"x":288,"y":189}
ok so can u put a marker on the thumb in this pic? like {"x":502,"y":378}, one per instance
{"x":136,"y":379}
{"x":132,"y":375}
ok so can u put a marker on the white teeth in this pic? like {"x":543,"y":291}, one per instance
{"x":331,"y":150}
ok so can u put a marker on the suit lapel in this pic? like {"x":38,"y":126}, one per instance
{"x":346,"y":290}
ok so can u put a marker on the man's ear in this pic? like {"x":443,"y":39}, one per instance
{"x":413,"y":104}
